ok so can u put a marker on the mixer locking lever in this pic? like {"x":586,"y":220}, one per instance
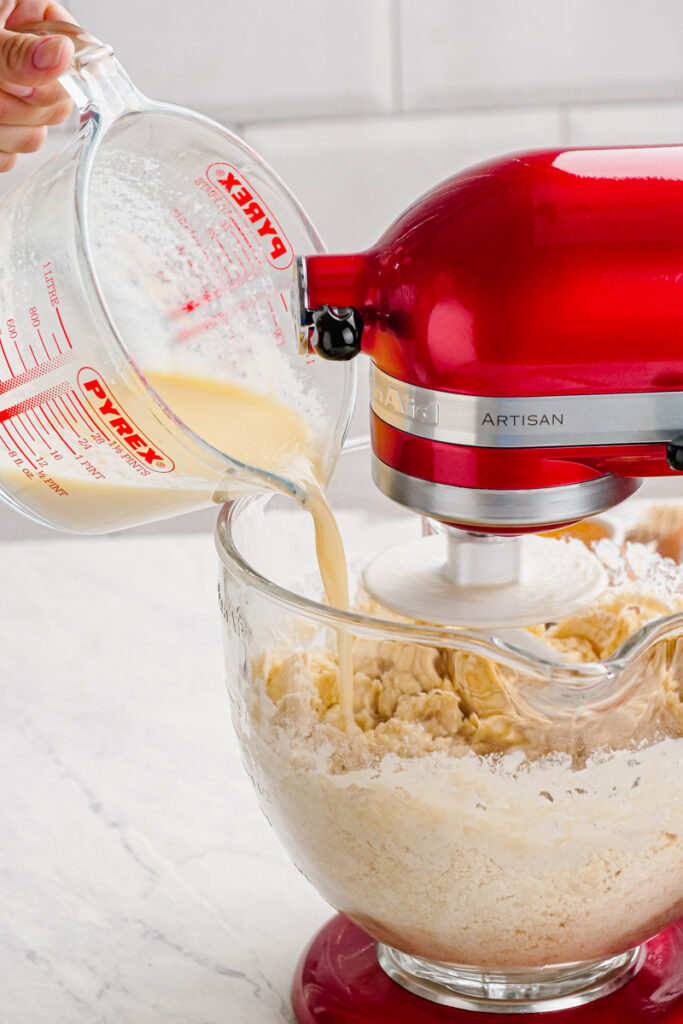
{"x":336,"y":332}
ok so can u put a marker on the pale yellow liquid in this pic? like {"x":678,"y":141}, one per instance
{"x":263,"y":432}
{"x":246,"y":425}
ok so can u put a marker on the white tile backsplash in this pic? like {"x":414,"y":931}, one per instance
{"x":355,"y":176}
{"x":240,"y":61}
{"x":462,"y":52}
{"x":626,"y":124}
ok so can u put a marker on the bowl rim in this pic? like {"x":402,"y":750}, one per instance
{"x":568,"y":685}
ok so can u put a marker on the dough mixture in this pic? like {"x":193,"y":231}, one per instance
{"x":457,"y":822}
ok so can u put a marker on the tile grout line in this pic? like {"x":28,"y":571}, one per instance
{"x":437,"y":113}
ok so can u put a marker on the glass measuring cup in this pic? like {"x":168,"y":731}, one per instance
{"x":157,"y":241}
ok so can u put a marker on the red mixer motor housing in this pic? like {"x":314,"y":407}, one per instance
{"x":525,"y":325}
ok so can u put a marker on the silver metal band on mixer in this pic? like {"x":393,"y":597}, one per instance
{"x":561,"y":421}
{"x":540,"y":507}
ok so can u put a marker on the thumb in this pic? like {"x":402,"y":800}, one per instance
{"x":33,"y":60}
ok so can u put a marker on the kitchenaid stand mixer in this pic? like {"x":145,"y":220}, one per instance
{"x":524,"y":323}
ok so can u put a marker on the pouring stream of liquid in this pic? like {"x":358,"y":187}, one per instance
{"x":261,"y":431}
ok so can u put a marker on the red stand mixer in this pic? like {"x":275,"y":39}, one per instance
{"x":524,"y":321}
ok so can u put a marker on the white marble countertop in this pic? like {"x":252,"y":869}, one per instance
{"x":138,"y":880}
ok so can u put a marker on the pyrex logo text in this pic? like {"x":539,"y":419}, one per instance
{"x":254,"y":210}
{"x":109,"y":410}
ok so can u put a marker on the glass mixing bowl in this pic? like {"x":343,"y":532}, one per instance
{"x":507,"y":826}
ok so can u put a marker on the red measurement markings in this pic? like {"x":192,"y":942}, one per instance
{"x":193,"y":304}
{"x":279,"y":333}
{"x":56,"y":408}
{"x":229,"y":269}
{"x":282,"y":296}
{"x":43,"y":344}
{"x":16,"y":423}
{"x":230,"y":272}
{"x":238,"y":262}
{"x":205,"y":325}
{"x":33,"y":354}
{"x":184,"y":223}
{"x":249,"y":273}
{"x":85,"y":415}
{"x":79,"y":414}
{"x":207,"y":296}
{"x":54,"y":338}
{"x":18,"y":447}
{"x":252,"y":302}
{"x":14,"y":443}
{"x":57,"y":430}
{"x":56,"y":414}
{"x":245,"y":242}
{"x":33,"y":403}
{"x":36,"y":426}
{"x":44,"y":424}
{"x":4,"y":442}
{"x":36,"y":371}
{"x":234,"y":257}
{"x":61,"y":323}
{"x":26,"y":425}
{"x":2,"y":347}
{"x":67,"y":414}
{"x":21,"y":358}
{"x":223,"y":250}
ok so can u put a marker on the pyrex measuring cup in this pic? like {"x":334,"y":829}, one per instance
{"x":157,"y":241}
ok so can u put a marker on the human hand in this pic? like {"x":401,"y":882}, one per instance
{"x":30,"y":95}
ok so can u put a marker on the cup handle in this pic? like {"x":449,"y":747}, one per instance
{"x":95,"y":80}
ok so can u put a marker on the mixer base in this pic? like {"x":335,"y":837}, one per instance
{"x":339,"y":981}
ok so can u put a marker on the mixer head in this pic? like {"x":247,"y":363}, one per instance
{"x":524,"y":323}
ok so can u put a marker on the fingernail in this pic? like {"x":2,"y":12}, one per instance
{"x":48,"y":53}
{"x":22,"y":92}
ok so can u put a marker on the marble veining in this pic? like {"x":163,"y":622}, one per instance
{"x":138,"y":879}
